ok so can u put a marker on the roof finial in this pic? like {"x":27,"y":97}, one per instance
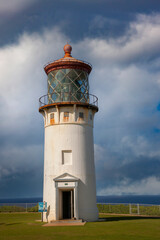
{"x":67,"y":49}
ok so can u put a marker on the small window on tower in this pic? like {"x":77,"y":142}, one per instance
{"x":81,"y":115}
{"x":66,"y":116}
{"x":52,"y":116}
{"x":52,"y":121}
{"x":66,"y":157}
{"x":90,"y":116}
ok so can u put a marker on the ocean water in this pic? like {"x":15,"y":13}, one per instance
{"x":141,"y":199}
{"x":21,"y":200}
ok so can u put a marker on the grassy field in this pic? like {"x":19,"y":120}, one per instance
{"x":22,"y":226}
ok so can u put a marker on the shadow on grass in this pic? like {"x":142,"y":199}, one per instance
{"x":124,"y":218}
{"x":9,"y":224}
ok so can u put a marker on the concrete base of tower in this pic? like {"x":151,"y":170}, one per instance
{"x":90,"y":217}
{"x":48,"y":217}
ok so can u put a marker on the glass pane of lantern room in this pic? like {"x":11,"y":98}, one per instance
{"x":68,"y":85}
{"x":75,"y":86}
{"x":65,"y":92}
{"x":59,"y":75}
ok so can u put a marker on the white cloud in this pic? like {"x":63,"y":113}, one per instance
{"x":98,"y":22}
{"x":18,"y":159}
{"x":141,"y":146}
{"x":147,"y":186}
{"x":140,"y":42}
{"x":23,"y":79}
{"x":14,"y":6}
{"x":22,"y":82}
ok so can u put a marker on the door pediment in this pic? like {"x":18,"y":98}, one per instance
{"x":66,"y":177}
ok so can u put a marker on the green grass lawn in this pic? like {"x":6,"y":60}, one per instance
{"x":22,"y":226}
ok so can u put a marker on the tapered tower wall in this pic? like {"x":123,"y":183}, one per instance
{"x":73,"y":136}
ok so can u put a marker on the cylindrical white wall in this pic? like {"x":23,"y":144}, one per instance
{"x":72,"y":138}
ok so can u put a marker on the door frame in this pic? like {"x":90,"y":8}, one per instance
{"x":63,"y":183}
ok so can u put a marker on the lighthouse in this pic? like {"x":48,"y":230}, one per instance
{"x":68,"y":109}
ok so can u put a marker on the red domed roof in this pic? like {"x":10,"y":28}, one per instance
{"x":67,"y":62}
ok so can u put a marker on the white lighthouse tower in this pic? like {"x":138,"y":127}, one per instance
{"x":68,"y":110}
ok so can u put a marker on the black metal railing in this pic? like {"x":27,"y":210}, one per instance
{"x":78,"y":97}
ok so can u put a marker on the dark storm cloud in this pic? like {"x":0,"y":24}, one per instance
{"x":97,"y":18}
{"x":138,"y":169}
{"x":27,"y":183}
{"x":21,"y":172}
{"x":128,"y":169}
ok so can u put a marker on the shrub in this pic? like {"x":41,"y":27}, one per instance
{"x":124,"y":209}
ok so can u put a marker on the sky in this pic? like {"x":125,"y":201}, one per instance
{"x":120,"y":38}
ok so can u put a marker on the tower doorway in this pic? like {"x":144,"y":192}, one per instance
{"x":67,"y":204}
{"x":66,"y":196}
